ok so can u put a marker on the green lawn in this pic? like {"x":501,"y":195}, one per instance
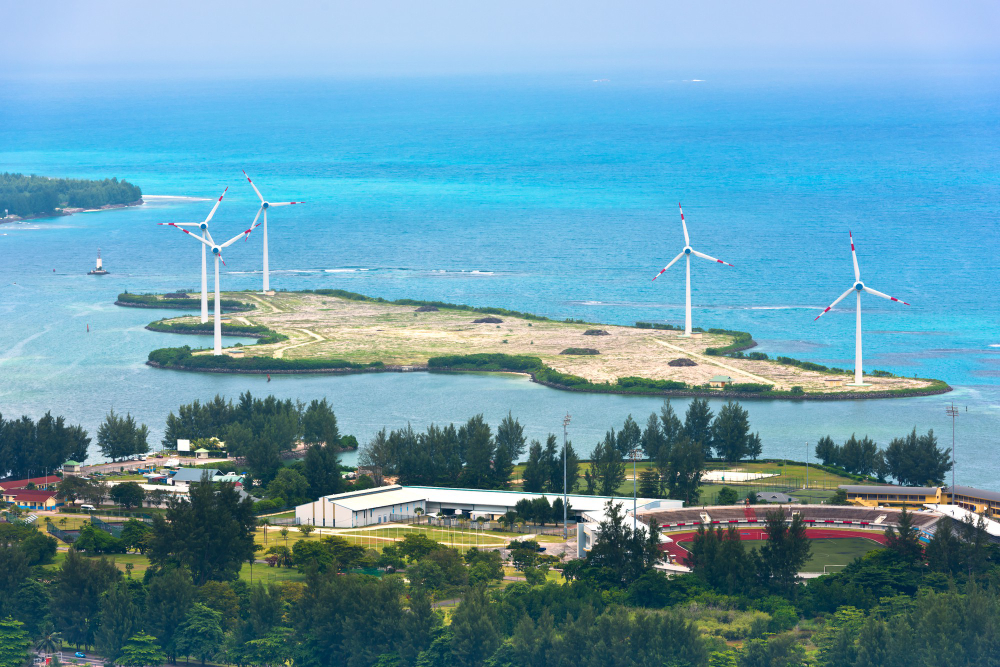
{"x":830,"y":552}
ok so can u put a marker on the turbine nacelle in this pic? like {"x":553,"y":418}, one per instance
{"x":687,"y":250}
{"x":860,"y":286}
{"x":216,"y":250}
{"x":265,"y":205}
{"x":203,"y":226}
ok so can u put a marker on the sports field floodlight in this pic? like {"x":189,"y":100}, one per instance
{"x":858,"y":287}
{"x":204,"y":234}
{"x":264,"y":205}
{"x":686,"y":253}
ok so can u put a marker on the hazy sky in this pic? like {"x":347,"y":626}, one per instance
{"x":248,"y":38}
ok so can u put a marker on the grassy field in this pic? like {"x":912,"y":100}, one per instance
{"x":328,"y":327}
{"x":833,"y":553}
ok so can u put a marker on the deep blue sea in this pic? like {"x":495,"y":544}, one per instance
{"x":552,"y":195}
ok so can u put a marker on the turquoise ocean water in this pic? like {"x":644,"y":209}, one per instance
{"x":556,"y":196}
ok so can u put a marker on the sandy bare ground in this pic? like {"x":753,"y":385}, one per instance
{"x":334,"y":328}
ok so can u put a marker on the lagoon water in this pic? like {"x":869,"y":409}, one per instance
{"x":556,"y":196}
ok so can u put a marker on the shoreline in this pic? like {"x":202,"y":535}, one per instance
{"x":668,"y":393}
{"x":63,"y":212}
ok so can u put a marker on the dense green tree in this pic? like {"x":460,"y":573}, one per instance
{"x":727,"y":496}
{"x":290,"y":485}
{"x":534,"y":476}
{"x":904,"y":540}
{"x":39,"y":549}
{"x":719,"y":558}
{"x":607,"y":468}
{"x":784,"y":553}
{"x":779,"y":651}
{"x":319,"y":424}
{"x":211,"y":534}
{"x":731,"y":432}
{"x":14,"y":643}
{"x":121,"y":437}
{"x":170,"y":598}
{"x":72,"y":488}
{"x":698,"y":425}
{"x":134,"y":535}
{"x":510,"y":444}
{"x":684,"y":471}
{"x":76,"y":595}
{"x":14,"y":570}
{"x":552,"y":458}
{"x":329,"y":552}
{"x":916,"y":460}
{"x":621,"y":554}
{"x":859,"y":456}
{"x":30,"y":449}
{"x":120,"y":619}
{"x":322,"y":471}
{"x":653,"y":439}
{"x":629,"y":438}
{"x":477,"y":446}
{"x":474,"y":628}
{"x":141,"y":651}
{"x":827,"y":451}
{"x":96,"y":541}
{"x":127,"y":494}
{"x":201,"y":634}
{"x":649,"y":484}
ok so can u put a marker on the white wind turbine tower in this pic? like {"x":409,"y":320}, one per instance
{"x":217,"y":251}
{"x":858,"y":287}
{"x":204,"y":235}
{"x":686,"y":253}
{"x":264,"y":205}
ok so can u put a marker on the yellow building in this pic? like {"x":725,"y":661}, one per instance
{"x":910,"y":497}
{"x":975,"y":500}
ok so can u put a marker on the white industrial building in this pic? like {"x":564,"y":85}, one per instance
{"x":393,"y":503}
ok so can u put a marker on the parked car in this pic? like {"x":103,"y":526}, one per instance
{"x":79,"y":654}
{"x":88,"y":508}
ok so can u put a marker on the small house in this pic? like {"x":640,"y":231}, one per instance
{"x":189,"y":475}
{"x":775,"y":497}
{"x":72,"y":468}
{"x":31,"y":500}
{"x":833,"y":382}
{"x":720,"y":381}
{"x":201,"y":453}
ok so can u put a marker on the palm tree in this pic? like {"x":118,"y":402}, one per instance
{"x":418,"y":511}
{"x":50,"y":641}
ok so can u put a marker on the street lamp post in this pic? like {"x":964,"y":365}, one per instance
{"x":952,"y":412}
{"x":565,"y":488}
{"x":635,"y":487}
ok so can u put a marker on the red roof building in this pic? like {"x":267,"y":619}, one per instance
{"x":46,"y":482}
{"x":31,"y":500}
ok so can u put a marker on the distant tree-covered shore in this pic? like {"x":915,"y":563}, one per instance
{"x":27,"y":196}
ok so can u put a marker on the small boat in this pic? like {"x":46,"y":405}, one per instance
{"x":99,"y":269}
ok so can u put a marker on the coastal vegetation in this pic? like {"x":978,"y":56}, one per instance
{"x":39,"y":447}
{"x":35,"y":196}
{"x":341,"y":332}
{"x":179,"y":300}
{"x":263,"y":334}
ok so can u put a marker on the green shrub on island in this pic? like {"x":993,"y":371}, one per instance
{"x":580,"y":350}
{"x":750,"y":387}
{"x":650,"y":385}
{"x":263,"y":334}
{"x":37,"y":195}
{"x":156,"y":301}
{"x":182,"y":358}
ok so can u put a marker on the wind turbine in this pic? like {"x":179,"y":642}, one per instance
{"x":858,"y":287}
{"x":204,"y":235}
{"x":264,"y":205}
{"x":217,"y":251}
{"x":686,"y":253}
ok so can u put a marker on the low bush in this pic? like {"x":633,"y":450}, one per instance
{"x":181,"y":358}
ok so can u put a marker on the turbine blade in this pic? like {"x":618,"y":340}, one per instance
{"x":854,"y":256}
{"x":181,"y":224}
{"x":885,"y":296}
{"x":839,"y":299}
{"x":194,"y":236}
{"x":287,"y":203}
{"x":236,"y":238}
{"x":687,"y":241}
{"x":669,"y":265}
{"x":253,"y":186}
{"x":214,"y":208}
{"x":711,"y":259}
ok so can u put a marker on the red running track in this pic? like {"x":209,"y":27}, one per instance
{"x":679,"y":554}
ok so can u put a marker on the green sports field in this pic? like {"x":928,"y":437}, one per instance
{"x":833,"y":553}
